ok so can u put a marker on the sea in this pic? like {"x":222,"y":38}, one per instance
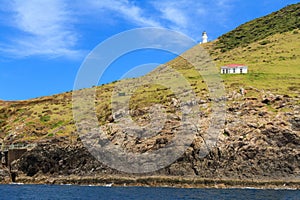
{"x":99,"y":192}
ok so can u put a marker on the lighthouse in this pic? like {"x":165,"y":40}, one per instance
{"x":204,"y":37}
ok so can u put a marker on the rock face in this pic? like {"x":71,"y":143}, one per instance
{"x":4,"y":175}
{"x":57,"y":160}
{"x":260,"y":140}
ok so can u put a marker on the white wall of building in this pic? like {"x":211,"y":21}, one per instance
{"x":234,"y":70}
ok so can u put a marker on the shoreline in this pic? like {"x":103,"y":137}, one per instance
{"x":161,"y":181}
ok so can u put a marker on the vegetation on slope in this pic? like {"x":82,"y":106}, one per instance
{"x":269,"y":46}
{"x":284,"y":20}
{"x":273,"y":65}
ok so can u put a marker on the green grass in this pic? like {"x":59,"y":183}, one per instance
{"x":57,"y":124}
{"x":284,"y":20}
{"x":45,"y":118}
{"x":267,"y":68}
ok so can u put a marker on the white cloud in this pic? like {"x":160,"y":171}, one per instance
{"x":193,"y":17}
{"x":45,"y":27}
{"x":182,"y":15}
{"x":175,"y":15}
{"x":175,"y":12}
{"x":127,"y":10}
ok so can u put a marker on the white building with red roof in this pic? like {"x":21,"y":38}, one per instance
{"x":234,"y":69}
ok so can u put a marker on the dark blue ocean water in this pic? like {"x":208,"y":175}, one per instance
{"x":95,"y":192}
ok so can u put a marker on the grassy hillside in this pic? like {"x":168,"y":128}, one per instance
{"x":284,"y":20}
{"x":270,"y":46}
{"x":273,"y":63}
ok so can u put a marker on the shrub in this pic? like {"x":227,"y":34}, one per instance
{"x":58,"y":124}
{"x":45,"y":118}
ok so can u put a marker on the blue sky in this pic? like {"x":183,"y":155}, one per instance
{"x":43,"y":43}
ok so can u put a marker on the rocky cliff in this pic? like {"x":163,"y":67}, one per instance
{"x":259,"y":142}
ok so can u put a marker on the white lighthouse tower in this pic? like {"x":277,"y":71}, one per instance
{"x":204,"y":37}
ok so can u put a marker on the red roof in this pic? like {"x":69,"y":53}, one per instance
{"x":234,"y":65}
